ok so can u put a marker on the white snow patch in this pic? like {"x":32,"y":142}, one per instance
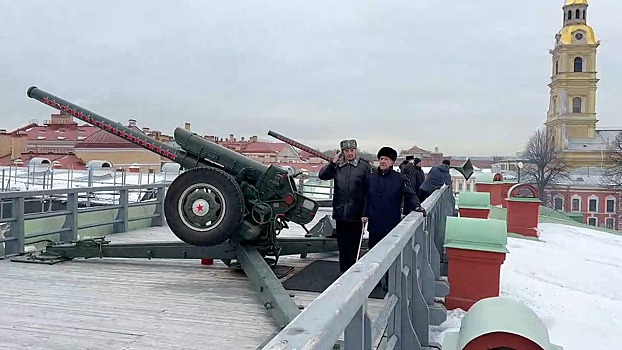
{"x":572,"y":279}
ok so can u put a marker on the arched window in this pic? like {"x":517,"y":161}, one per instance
{"x":569,"y":14}
{"x":578,"y":64}
{"x":576,"y":105}
{"x":577,"y":14}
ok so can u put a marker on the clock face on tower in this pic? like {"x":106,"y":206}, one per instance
{"x":578,"y":36}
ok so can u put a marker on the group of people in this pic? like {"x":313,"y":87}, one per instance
{"x":376,"y":197}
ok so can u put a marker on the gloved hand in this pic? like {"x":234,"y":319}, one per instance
{"x":421,"y":210}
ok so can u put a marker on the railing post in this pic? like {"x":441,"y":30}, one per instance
{"x":123,"y":213}
{"x":16,"y":230}
{"x":357,"y":335}
{"x":71,"y":220}
{"x":159,"y":208}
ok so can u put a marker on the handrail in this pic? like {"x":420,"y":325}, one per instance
{"x":407,"y":254}
{"x":15,"y":238}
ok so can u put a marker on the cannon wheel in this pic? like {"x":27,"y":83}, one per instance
{"x":204,"y":206}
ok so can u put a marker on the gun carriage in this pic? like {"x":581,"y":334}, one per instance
{"x":224,"y":206}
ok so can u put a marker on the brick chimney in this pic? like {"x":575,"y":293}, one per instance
{"x":187,"y":126}
{"x":132,"y":122}
{"x":230,"y":137}
{"x":242,"y":138}
{"x":253,"y":138}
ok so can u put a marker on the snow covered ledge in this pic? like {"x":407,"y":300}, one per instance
{"x":500,"y":322}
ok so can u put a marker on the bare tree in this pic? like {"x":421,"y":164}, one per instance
{"x":613,"y":173}
{"x":545,"y":162}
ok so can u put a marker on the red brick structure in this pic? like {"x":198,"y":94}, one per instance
{"x":523,"y":203}
{"x":585,"y":195}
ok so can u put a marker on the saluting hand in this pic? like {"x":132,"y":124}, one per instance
{"x":337,"y":155}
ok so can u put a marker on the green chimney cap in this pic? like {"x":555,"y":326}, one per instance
{"x":499,"y":314}
{"x":488,"y":178}
{"x":474,"y":200}
{"x":488,"y":235}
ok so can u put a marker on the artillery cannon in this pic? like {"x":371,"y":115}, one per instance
{"x":222,"y":195}
{"x":223,"y":206}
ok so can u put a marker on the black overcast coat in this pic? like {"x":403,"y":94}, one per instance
{"x":350,"y":179}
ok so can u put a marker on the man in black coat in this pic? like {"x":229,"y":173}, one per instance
{"x":409,"y":171}
{"x":438,"y":176}
{"x":419,"y":174}
{"x":385,"y":192}
{"x":350,"y":174}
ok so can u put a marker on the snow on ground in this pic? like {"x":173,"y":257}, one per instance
{"x":571,"y":278}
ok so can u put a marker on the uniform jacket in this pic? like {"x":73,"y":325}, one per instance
{"x":385,"y":192}
{"x":350,"y":179}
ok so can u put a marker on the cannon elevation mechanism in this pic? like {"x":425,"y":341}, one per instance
{"x":224,"y":206}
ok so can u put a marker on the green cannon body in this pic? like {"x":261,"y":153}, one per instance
{"x":221,"y":195}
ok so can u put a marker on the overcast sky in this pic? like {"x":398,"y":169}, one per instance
{"x":467,"y":76}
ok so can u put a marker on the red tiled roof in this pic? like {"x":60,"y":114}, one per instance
{"x":415,"y":150}
{"x":66,"y":161}
{"x":55,"y":132}
{"x":105,"y":139}
{"x":264,"y":147}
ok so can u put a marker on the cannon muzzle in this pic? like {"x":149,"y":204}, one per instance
{"x":182,"y":157}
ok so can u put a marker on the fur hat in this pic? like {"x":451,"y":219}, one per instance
{"x":347,"y":144}
{"x":410,"y":157}
{"x":387,"y":152}
{"x":417,"y":161}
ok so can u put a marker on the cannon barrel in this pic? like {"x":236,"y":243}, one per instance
{"x":232,"y":161}
{"x":300,"y":146}
{"x":186,"y":160}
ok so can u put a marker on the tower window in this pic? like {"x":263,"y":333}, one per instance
{"x":569,"y":14}
{"x":578,"y":64}
{"x":577,"y":14}
{"x":556,"y":67}
{"x":583,"y":14}
{"x":576,"y":105}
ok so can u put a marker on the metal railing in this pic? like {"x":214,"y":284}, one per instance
{"x":412,"y":254}
{"x":78,"y":213}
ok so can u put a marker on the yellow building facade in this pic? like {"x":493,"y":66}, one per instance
{"x":572,"y":116}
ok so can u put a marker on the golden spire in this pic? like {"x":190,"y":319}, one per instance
{"x":576,"y":2}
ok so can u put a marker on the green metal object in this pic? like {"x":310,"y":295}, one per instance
{"x":499,"y":315}
{"x":222,"y":196}
{"x":474,"y":200}
{"x":488,"y":235}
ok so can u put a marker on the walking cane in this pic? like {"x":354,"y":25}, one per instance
{"x":358,"y":252}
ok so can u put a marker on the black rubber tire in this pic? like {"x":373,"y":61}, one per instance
{"x":233,"y":213}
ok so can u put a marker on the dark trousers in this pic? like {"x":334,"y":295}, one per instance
{"x":348,"y":239}
{"x":423,"y":195}
{"x":375,"y":238}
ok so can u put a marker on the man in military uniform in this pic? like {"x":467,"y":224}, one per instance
{"x":350,"y":174}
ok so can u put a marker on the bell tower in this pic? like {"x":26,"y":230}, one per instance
{"x":572,"y":107}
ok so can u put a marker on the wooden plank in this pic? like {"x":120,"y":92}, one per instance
{"x":137,"y":303}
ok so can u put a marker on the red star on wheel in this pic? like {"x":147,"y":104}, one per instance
{"x":199,"y":207}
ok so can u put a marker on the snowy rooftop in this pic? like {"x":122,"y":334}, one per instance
{"x":571,"y":278}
